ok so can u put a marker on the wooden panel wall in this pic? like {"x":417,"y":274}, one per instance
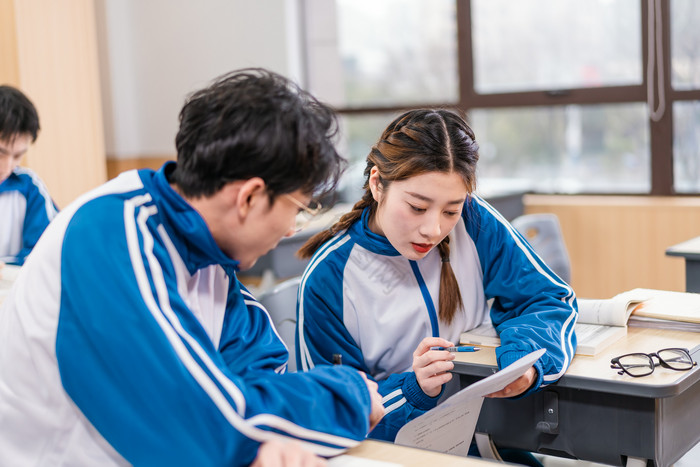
{"x":117,"y":166}
{"x":49,"y":51}
{"x":617,"y":243}
{"x":9,"y":62}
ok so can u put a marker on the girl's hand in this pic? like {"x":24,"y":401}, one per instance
{"x":518,"y":386}
{"x":432,"y":366}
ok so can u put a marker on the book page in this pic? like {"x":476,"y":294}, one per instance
{"x":592,"y":338}
{"x":484,"y":335}
{"x":449,"y":427}
{"x":656,"y":323}
{"x":346,"y":460}
{"x":673,"y":306}
{"x":613,"y":311}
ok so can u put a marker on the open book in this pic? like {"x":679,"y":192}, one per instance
{"x":668,"y":310}
{"x":449,"y":427}
{"x":600,"y":323}
{"x":604,"y":321}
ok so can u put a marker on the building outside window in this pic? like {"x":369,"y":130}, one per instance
{"x":557,"y":91}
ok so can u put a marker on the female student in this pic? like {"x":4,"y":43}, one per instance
{"x":420,"y":259}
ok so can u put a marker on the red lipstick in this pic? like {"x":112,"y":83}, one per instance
{"x":422,"y":247}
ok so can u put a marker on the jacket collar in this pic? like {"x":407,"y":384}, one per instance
{"x":184,"y":224}
{"x":363,"y":236}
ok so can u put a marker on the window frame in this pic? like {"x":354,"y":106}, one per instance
{"x":660,"y":132}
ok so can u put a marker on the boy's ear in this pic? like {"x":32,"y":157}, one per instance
{"x":250,"y":193}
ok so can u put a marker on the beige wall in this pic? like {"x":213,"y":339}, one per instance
{"x":49,"y":51}
{"x":617,"y":243}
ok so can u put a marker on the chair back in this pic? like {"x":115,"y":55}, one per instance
{"x":543,"y":231}
{"x":281,"y":302}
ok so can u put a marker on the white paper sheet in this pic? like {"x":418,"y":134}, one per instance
{"x":346,"y":460}
{"x":449,"y":427}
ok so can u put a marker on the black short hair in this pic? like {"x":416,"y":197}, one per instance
{"x":18,"y":115}
{"x":256,"y":123}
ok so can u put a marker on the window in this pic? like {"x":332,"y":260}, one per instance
{"x":555,"y":90}
{"x":685,"y":76}
{"x":565,"y":149}
{"x":383,"y":53}
{"x":555,"y":44}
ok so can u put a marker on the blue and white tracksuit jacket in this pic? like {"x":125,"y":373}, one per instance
{"x":25,"y":210}
{"x":128,"y":339}
{"x":360,"y":298}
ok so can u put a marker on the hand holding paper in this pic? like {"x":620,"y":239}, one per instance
{"x":449,"y":427}
{"x":519,"y":386}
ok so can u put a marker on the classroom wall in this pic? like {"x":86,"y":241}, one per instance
{"x":154,"y":53}
{"x":76,"y":58}
{"x":48,"y":50}
{"x":617,"y":243}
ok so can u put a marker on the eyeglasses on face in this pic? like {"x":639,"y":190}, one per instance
{"x":643,"y":364}
{"x":306,"y":213}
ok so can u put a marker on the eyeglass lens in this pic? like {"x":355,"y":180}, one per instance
{"x":637,"y":364}
{"x":301,"y":221}
{"x":641,"y":364}
{"x":304,"y":217}
{"x":676,"y":359}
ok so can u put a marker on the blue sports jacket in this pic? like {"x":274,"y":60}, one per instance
{"x":359,"y":298}
{"x":127,"y":338}
{"x":26,"y":209}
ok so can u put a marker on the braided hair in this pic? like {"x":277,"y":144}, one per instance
{"x":417,"y":142}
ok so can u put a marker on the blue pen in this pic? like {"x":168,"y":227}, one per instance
{"x":461,"y":348}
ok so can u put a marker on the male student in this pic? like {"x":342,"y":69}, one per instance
{"x":127,"y":337}
{"x":25,"y":205}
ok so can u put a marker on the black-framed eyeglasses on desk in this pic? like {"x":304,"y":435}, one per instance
{"x":643,"y":364}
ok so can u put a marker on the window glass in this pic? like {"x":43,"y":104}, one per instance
{"x":385,"y":53}
{"x":565,"y":149}
{"x":685,"y":37}
{"x":527,"y":45}
{"x":686,"y":147}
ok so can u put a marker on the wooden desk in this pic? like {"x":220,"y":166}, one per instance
{"x":593,"y":413}
{"x":690,"y":250}
{"x":410,"y":457}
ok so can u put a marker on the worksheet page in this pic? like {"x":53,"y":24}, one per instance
{"x":449,"y":427}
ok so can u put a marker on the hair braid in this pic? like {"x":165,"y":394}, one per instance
{"x":450,"y":296}
{"x":346,"y":220}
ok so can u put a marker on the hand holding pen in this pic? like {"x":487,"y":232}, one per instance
{"x":460,"y":348}
{"x":432,"y":369}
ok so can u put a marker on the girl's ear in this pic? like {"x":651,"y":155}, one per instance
{"x":375,"y":185}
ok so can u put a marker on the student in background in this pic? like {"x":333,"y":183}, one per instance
{"x":417,"y":262}
{"x":25,"y":205}
{"x":128,"y":338}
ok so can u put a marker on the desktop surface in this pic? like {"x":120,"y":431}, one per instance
{"x":595,"y":414}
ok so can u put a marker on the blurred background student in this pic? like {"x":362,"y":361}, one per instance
{"x":25,"y":205}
